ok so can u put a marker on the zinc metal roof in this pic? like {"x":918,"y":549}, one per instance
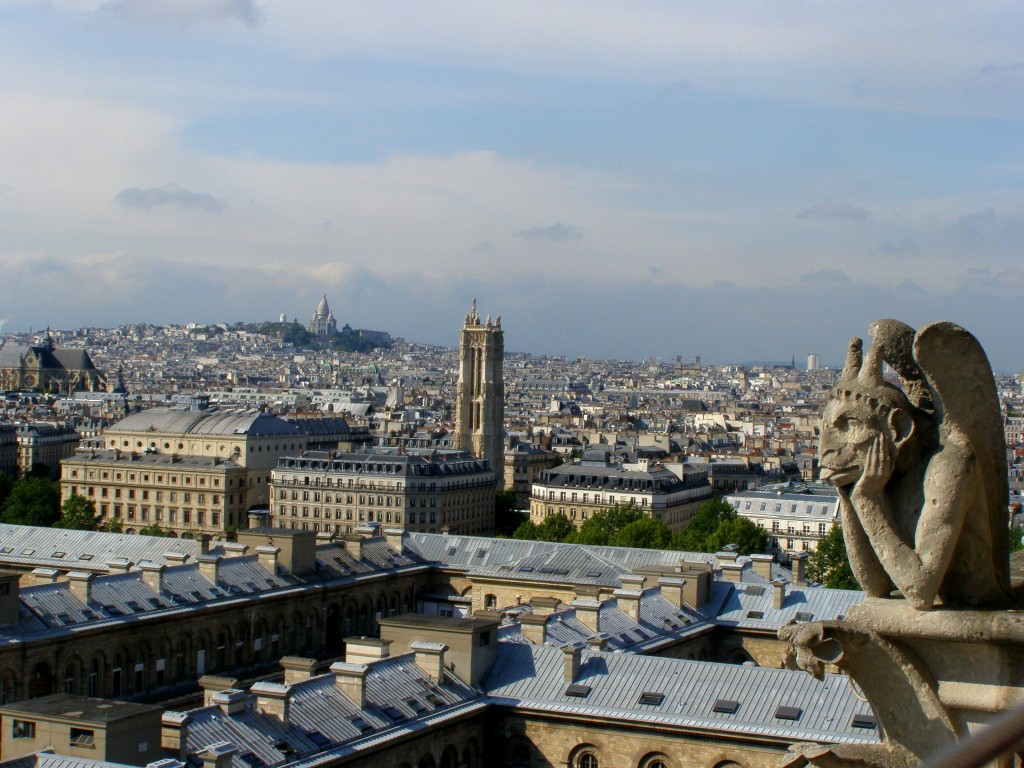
{"x":321,"y":718}
{"x":30,"y":546}
{"x":530,"y":677}
{"x":210,"y":421}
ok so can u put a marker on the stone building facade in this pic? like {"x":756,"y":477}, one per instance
{"x":581,"y":489}
{"x":195,"y":469}
{"x":46,"y":366}
{"x":480,"y":398}
{"x":45,"y":445}
{"x":337,"y":492}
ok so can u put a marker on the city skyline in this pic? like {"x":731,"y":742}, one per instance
{"x":617,"y":182}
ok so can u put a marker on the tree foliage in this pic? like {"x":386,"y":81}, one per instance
{"x":78,"y":513}
{"x":6,"y":484}
{"x":829,"y":563}
{"x":715,"y":525}
{"x":645,"y":533}
{"x":506,"y":517}
{"x":32,"y":501}
{"x":553,"y":528}
{"x":154,"y":529}
{"x":601,"y":527}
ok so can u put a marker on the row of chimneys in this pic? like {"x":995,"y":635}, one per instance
{"x":275,"y":698}
{"x":691,"y":587}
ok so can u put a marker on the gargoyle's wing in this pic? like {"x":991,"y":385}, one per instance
{"x":959,"y":373}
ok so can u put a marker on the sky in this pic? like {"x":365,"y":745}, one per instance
{"x":741,"y":181}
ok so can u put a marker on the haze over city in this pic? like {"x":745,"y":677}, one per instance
{"x":740,"y":182}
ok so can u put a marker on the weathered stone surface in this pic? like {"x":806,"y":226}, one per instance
{"x":921,"y":471}
{"x":921,"y":475}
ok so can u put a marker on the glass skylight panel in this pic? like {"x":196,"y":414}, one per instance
{"x":578,"y":691}
{"x":725,"y":706}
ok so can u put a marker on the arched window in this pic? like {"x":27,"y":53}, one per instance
{"x":586,"y":760}
{"x":655,"y":760}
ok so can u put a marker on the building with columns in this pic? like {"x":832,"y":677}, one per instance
{"x":480,"y":402}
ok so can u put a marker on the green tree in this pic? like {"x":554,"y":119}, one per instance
{"x":601,"y":527}
{"x":1016,"y":539}
{"x":740,"y":531}
{"x":698,"y":534}
{"x":829,"y":563}
{"x":32,"y":501}
{"x":111,"y":525}
{"x":527,"y":531}
{"x":645,"y":533}
{"x":78,"y":513}
{"x":154,"y":529}
{"x":715,"y":525}
{"x":6,"y":484}
{"x":506,"y":517}
{"x":555,"y":528}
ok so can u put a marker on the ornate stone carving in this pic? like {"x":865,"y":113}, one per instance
{"x":921,"y":474}
{"x":920,"y":470}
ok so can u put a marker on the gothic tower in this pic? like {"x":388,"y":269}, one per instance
{"x":480,"y":404}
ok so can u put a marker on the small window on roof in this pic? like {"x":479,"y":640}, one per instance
{"x":755,"y":614}
{"x":651,"y":698}
{"x":863,"y":721}
{"x":6,"y":550}
{"x":85,"y":557}
{"x":59,"y":554}
{"x":725,"y":706}
{"x":788,"y":713}
{"x":755,"y":590}
{"x":803,"y":616}
{"x":28,"y":552}
{"x":593,"y":574}
{"x":578,"y":691}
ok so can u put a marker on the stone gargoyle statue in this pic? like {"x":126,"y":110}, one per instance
{"x":920,"y":470}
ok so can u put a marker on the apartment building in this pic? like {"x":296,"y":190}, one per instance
{"x":795,"y":515}
{"x":438,"y":492}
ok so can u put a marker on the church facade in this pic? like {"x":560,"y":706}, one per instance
{"x":46,"y":366}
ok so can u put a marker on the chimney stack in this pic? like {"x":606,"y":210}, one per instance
{"x":798,"y":562}
{"x":779,"y":594}
{"x":214,"y":684}
{"x":762,"y":565}
{"x":231,"y":701}
{"x":297,"y":668}
{"x":153,"y":576}
{"x":395,"y":538}
{"x":272,"y":699}
{"x":44,"y":575}
{"x":119,"y":565}
{"x":430,"y":658}
{"x":354,"y":546}
{"x":81,"y":585}
{"x":209,"y":565}
{"x":267,"y":557}
{"x":672,"y":590}
{"x":366,"y":650}
{"x":350,"y":679}
{"x":629,"y":602}
{"x":174,"y":733}
{"x":544,"y":606}
{"x":218,"y":755}
{"x":588,"y":613}
{"x":571,"y":658}
{"x":534,"y":627}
